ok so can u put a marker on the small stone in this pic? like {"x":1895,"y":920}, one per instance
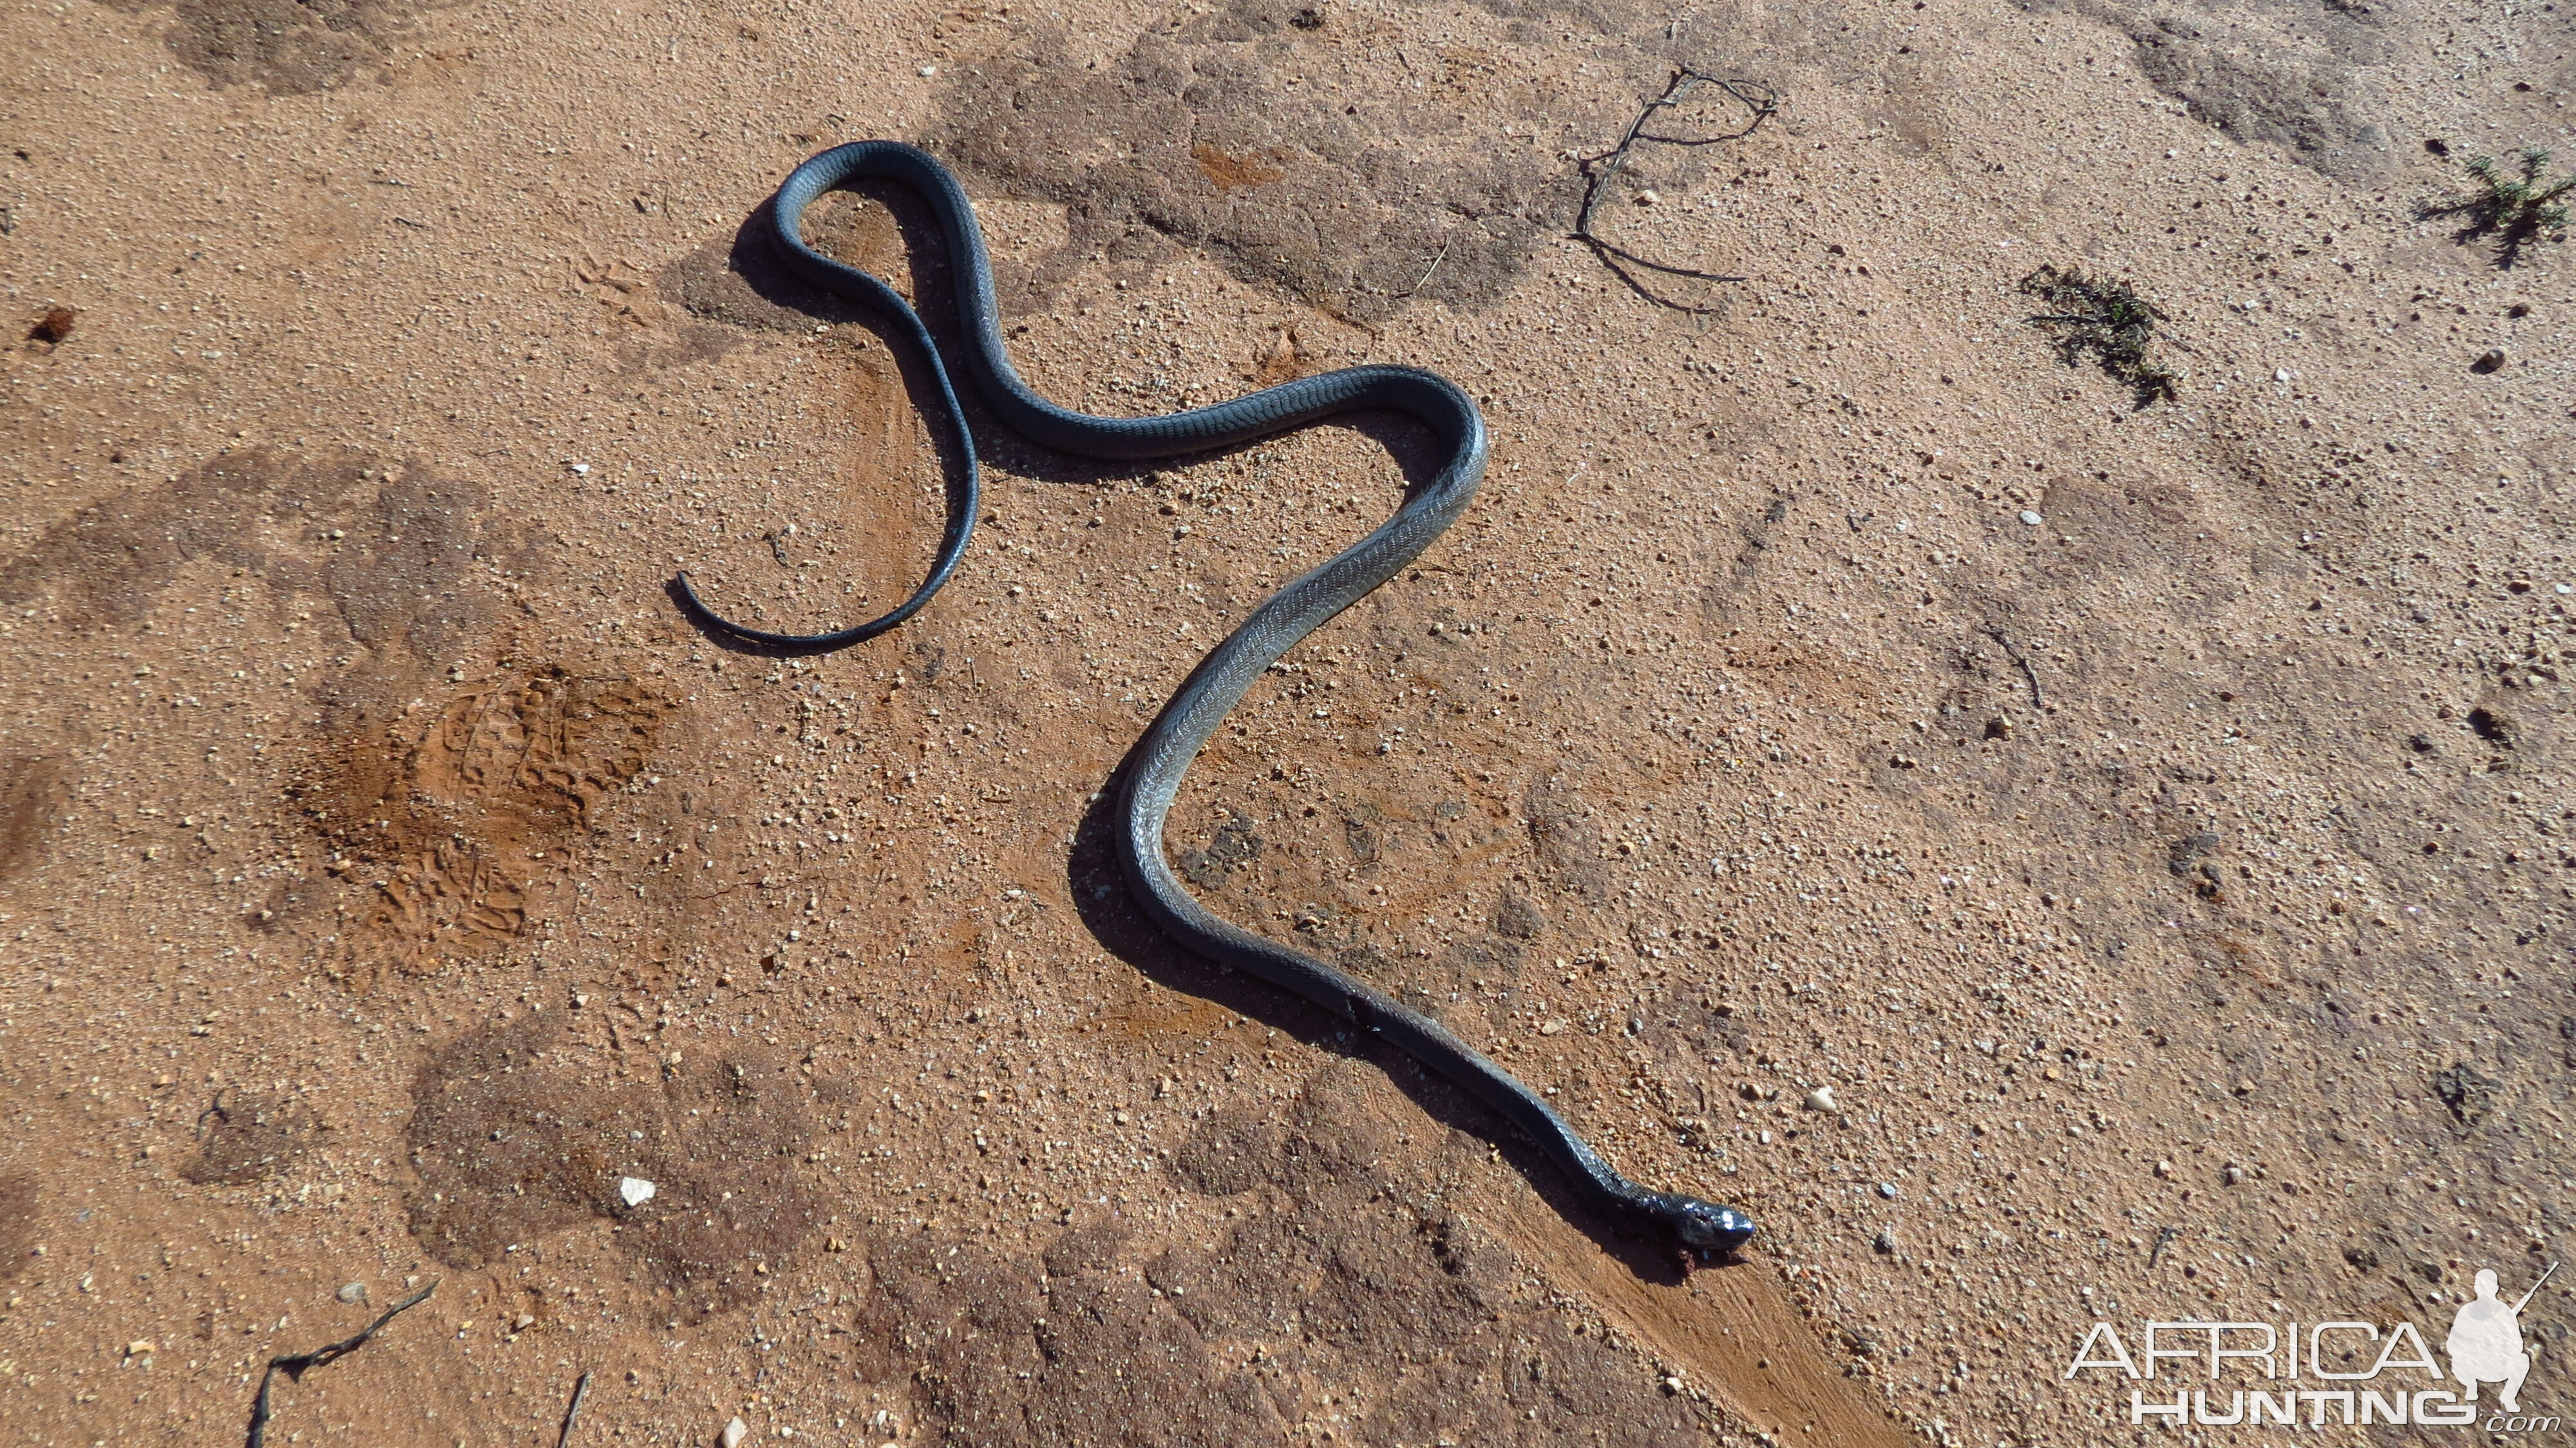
{"x":141,"y":1347}
{"x":523,"y":1322}
{"x":634,"y":1191}
{"x":2489,"y":362}
{"x":2233,"y":1174}
{"x":1672,"y":1385}
{"x":352,"y":1292}
{"x":1822,"y":1099}
{"x":1884,"y":1242}
{"x":2031,"y":518}
{"x":2164,"y":1168}
{"x":733,"y":1434}
{"x":1647,"y":198}
{"x":1887,"y":1190}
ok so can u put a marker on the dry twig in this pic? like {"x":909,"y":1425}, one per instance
{"x":1600,"y":171}
{"x":2037,"y":700}
{"x":296,"y":1365}
{"x":572,"y":1413}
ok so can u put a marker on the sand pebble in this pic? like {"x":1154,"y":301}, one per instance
{"x":352,"y":1292}
{"x":2031,"y":518}
{"x":634,"y":1191}
{"x":1887,"y":1190}
{"x":1822,"y":1099}
{"x":733,"y":1434}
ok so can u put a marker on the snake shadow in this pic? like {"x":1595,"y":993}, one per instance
{"x":753,"y":258}
{"x":1108,"y":909}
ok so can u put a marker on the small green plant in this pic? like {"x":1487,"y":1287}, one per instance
{"x":2516,"y":208}
{"x":2107,"y":321}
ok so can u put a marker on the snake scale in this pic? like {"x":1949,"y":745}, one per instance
{"x":1161,"y":759}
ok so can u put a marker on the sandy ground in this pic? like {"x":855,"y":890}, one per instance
{"x":2150,"y":825}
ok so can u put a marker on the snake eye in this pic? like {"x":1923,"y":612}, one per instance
{"x":1711,"y":1228}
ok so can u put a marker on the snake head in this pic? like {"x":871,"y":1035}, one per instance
{"x":1705,"y":1226}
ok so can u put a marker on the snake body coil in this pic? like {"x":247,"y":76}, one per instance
{"x":1163,"y":756}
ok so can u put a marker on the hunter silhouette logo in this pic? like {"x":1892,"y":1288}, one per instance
{"x":2343,"y":1372}
{"x":2486,"y":1342}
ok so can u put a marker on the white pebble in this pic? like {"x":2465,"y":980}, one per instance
{"x":1887,"y":1190}
{"x":634,"y":1191}
{"x":353,"y":1292}
{"x":733,"y":1434}
{"x":2033,"y":519}
{"x":1822,"y":1099}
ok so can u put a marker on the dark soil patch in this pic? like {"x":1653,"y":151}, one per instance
{"x":517,"y":1134}
{"x":251,"y":1138}
{"x":1326,"y":160}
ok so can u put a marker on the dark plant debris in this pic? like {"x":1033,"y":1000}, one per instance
{"x":2467,"y":1091}
{"x":572,"y":1412}
{"x":1761,"y":103}
{"x":2108,"y":322}
{"x":296,"y":1365}
{"x":51,"y":328}
{"x":2516,"y":208}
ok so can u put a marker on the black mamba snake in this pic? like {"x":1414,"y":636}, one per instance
{"x":1164,"y":755}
